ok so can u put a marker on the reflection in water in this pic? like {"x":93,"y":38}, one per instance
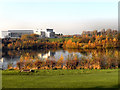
{"x":46,"y":55}
{"x":87,"y":58}
{"x":9,"y":61}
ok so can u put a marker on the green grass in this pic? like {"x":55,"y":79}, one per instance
{"x":61,"y":79}
{"x":58,"y":39}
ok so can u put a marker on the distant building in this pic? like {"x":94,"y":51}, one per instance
{"x":89,"y":33}
{"x":101,"y":32}
{"x":18,"y":33}
{"x":50,"y":33}
{"x":4,"y":34}
{"x":49,"y":30}
{"x":15,"y":33}
{"x":45,"y":33}
{"x":42,"y":34}
{"x":37,"y":31}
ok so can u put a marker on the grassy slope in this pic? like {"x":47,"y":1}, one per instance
{"x":61,"y":79}
{"x":57,"y":39}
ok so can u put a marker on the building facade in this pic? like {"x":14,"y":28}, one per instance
{"x":4,"y":34}
{"x":15,"y":33}
{"x":18,"y":33}
{"x":45,"y":33}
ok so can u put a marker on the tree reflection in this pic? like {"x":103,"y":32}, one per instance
{"x":90,"y":59}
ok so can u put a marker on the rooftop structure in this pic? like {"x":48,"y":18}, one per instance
{"x":49,"y":30}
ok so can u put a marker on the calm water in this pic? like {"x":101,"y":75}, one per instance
{"x":12,"y":57}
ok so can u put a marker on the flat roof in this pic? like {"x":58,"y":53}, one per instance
{"x":20,"y":30}
{"x":4,"y":31}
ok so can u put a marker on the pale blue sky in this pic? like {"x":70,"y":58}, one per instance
{"x":67,"y":17}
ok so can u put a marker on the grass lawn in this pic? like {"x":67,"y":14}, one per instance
{"x":58,"y":39}
{"x":60,"y":79}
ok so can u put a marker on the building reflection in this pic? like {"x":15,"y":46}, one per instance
{"x":11,"y":61}
{"x":46,"y":55}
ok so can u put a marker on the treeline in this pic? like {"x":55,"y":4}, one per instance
{"x":29,"y":42}
{"x":80,"y":42}
{"x":94,"y":42}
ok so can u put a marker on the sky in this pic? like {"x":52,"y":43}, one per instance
{"x":64,"y":16}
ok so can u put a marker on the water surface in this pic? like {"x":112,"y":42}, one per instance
{"x":12,"y":57}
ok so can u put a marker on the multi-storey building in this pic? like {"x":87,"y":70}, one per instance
{"x":45,"y":33}
{"x":15,"y":33}
{"x":18,"y":33}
